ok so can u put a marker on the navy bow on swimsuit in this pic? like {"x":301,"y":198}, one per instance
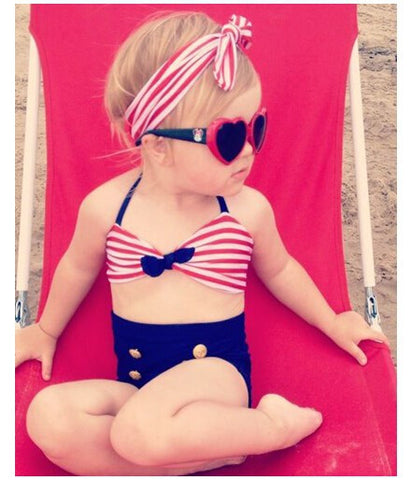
{"x":154,"y":266}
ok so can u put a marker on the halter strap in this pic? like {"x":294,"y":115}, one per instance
{"x":223,"y":205}
{"x":126,"y":201}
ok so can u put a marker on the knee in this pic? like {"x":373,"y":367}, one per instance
{"x":137,"y":441}
{"x":48,"y":422}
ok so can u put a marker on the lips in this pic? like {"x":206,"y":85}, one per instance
{"x":240,"y":175}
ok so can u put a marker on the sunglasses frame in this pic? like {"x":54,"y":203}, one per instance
{"x":208,"y":136}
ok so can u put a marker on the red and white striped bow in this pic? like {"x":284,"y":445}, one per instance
{"x":161,"y":94}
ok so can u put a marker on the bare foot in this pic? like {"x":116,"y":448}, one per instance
{"x":291,"y":422}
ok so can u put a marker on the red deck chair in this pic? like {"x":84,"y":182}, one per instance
{"x":302,"y":53}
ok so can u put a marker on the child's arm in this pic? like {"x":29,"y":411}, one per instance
{"x":77,"y":269}
{"x":289,"y":282}
{"x":73,"y":278}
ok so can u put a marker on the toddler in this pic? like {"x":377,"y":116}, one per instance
{"x":185,"y":99}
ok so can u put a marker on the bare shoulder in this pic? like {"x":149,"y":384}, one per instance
{"x":102,"y":203}
{"x":250,"y":207}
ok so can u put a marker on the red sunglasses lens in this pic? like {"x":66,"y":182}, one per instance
{"x":230,"y":139}
{"x":259,"y":129}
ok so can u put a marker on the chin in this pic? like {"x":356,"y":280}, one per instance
{"x":231,"y":190}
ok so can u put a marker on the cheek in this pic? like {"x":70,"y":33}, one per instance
{"x":196,"y":161}
{"x":200,"y":171}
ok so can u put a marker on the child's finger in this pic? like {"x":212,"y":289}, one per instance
{"x":381,"y":337}
{"x":358,"y":354}
{"x":20,"y":357}
{"x":377,"y":336}
{"x":46,"y":367}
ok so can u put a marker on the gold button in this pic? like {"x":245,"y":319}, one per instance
{"x":135,"y":375}
{"x":200,"y":351}
{"x":135,"y":352}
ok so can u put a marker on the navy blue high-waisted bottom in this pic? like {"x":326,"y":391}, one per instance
{"x":144,"y":350}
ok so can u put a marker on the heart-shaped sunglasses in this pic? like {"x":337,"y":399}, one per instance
{"x":224,"y":137}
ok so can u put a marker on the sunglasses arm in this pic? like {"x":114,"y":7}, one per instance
{"x":195,"y":135}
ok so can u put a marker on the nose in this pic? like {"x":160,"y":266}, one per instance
{"x":247,"y":150}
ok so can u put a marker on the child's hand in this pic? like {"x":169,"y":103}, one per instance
{"x":32,"y":343}
{"x":347,"y":331}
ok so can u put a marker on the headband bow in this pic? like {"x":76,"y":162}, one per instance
{"x":163,"y":91}
{"x":236,"y":32}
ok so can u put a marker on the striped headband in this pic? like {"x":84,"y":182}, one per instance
{"x":161,"y":94}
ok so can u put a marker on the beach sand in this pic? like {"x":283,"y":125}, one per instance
{"x":377,"y":49}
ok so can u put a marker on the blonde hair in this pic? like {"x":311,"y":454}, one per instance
{"x":146,"y":49}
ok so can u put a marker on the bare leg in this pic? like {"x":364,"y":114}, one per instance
{"x":71,"y":423}
{"x":275,"y":424}
{"x":197,"y":411}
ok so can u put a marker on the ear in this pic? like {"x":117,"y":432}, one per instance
{"x":155,"y":147}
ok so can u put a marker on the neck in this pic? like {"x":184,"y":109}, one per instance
{"x":162,"y":187}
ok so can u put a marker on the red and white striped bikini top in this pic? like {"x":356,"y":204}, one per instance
{"x":216,"y":255}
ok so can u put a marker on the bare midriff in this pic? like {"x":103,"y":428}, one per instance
{"x":173,"y":298}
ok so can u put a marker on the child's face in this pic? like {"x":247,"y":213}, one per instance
{"x":201,"y":172}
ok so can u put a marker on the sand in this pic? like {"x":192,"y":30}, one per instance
{"x":378,"y":61}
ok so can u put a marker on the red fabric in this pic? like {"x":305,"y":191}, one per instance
{"x":302,"y":53}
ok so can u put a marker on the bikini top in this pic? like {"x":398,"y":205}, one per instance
{"x":216,"y":255}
